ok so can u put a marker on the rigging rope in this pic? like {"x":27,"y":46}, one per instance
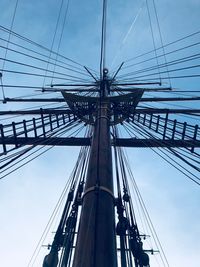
{"x":125,"y":167}
{"x":161,"y":39}
{"x":166,"y":45}
{"x":37,"y":45}
{"x":60,"y":40}
{"x":54,"y":36}
{"x":43,"y":146}
{"x":103,"y":39}
{"x":7,"y":44}
{"x":153,"y":38}
{"x":170,"y":63}
{"x":70,"y":185}
{"x":170,"y":162}
{"x":73,"y":68}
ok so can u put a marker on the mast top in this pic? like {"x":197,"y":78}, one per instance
{"x":104,"y":84}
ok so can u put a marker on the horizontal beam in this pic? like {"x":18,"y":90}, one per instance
{"x":36,"y":112}
{"x":68,"y":111}
{"x":144,"y":99}
{"x":133,"y":142}
{"x":131,"y":89}
{"x":52,"y":141}
{"x":168,"y":99}
{"x":166,"y":110}
{"x":44,"y":89}
{"x":114,"y":84}
{"x":59,"y":100}
{"x":91,"y":90}
{"x":79,"y":141}
{"x":73,"y":84}
{"x":135,"y":84}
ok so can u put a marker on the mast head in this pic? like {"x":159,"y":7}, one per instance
{"x":104,"y":87}
{"x":105,"y":72}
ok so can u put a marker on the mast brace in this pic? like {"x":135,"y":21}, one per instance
{"x":96,"y":188}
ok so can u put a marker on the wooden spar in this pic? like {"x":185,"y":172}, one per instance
{"x":96,"y":244}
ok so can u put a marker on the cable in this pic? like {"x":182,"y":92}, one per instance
{"x":38,"y":45}
{"x":47,"y":227}
{"x":165,"y":65}
{"x":161,"y":39}
{"x":60,"y":40}
{"x":163,"y":78}
{"x":162,"y":72}
{"x":44,"y":144}
{"x":172,"y":164}
{"x":103,"y":39}
{"x":153,"y":38}
{"x":9,"y":36}
{"x":125,"y":166}
{"x":173,"y":42}
{"x":149,"y":221}
{"x":42,"y":75}
{"x":46,"y":70}
{"x":73,"y":68}
{"x":54,"y":36}
{"x":172,"y":151}
{"x":168,"y":53}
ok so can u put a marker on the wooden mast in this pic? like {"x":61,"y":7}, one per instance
{"x":96,"y":244}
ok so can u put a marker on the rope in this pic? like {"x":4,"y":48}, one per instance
{"x":60,"y":40}
{"x":153,"y":38}
{"x":9,"y":36}
{"x":103,"y":39}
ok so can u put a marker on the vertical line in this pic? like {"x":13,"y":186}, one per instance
{"x":105,"y":22}
{"x":103,"y":39}
{"x":153,"y":38}
{"x":165,"y":126}
{"x":161,"y":39}
{"x":25,"y":129}
{"x":14,"y":133}
{"x":60,"y":40}
{"x":34,"y":127}
{"x":53,"y":41}
{"x":9,"y":36}
{"x":2,"y":137}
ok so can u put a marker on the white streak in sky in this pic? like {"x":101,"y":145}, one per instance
{"x":127,"y":34}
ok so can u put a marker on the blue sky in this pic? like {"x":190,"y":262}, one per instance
{"x":29,"y":195}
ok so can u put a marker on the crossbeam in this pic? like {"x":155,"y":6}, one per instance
{"x":36,"y":112}
{"x":68,"y":111}
{"x":135,"y":142}
{"x":166,"y":110}
{"x":144,"y":99}
{"x":59,"y":100}
{"x":168,"y":99}
{"x":53,"y":141}
{"x":81,"y":141}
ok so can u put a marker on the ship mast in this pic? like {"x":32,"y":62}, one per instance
{"x":96,"y":236}
{"x":98,"y":226}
